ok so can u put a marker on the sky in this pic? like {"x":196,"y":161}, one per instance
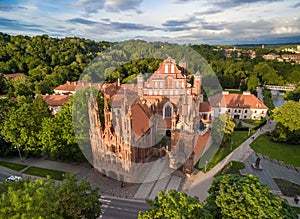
{"x":175,"y":21}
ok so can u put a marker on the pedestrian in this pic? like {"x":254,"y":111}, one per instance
{"x":296,"y":199}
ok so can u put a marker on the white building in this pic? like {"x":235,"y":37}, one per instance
{"x":238,"y":106}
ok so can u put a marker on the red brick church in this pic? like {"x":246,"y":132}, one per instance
{"x":156,"y":117}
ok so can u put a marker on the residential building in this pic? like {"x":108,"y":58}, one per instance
{"x":238,"y":106}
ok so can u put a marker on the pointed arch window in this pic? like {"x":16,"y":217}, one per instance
{"x":168,"y":110}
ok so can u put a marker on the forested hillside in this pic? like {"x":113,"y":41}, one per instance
{"x":47,"y":61}
{"x":51,"y":61}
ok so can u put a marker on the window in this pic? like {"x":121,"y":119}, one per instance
{"x":246,"y":111}
{"x":168,"y":110}
{"x":235,"y":111}
{"x":239,"y":111}
{"x":155,"y":84}
{"x":255,"y":111}
{"x":161,"y":84}
{"x":245,"y":117}
{"x":166,"y":69}
{"x":228,"y":110}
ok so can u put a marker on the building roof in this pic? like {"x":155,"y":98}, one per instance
{"x":71,"y":87}
{"x":56,"y":100}
{"x":201,"y":143}
{"x":245,"y":100}
{"x":15,"y":75}
{"x":140,"y":121}
{"x":204,"y":107}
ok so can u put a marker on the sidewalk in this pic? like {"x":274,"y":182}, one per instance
{"x":203,"y":181}
{"x":47,"y":164}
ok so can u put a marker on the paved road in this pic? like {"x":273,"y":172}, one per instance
{"x":3,"y":176}
{"x":113,"y":208}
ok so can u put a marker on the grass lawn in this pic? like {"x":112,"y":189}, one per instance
{"x":287,"y":153}
{"x":46,"y":173}
{"x":253,"y":122}
{"x":233,"y":167}
{"x":287,"y":188}
{"x":238,"y":138}
{"x":13,"y":166}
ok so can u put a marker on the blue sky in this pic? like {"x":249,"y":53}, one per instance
{"x":180,"y":21}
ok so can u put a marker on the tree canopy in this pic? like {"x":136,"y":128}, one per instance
{"x":233,"y":196}
{"x":288,"y":122}
{"x":230,"y":196}
{"x":57,"y":136}
{"x":47,"y":199}
{"x":175,"y":205}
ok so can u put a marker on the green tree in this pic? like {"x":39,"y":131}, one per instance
{"x":266,"y":73}
{"x":57,"y":136}
{"x":288,"y":122}
{"x":233,"y":196}
{"x":20,"y":86}
{"x":23,"y":123}
{"x":47,"y":199}
{"x":175,"y":205}
{"x":222,"y":129}
{"x":252,"y":82}
{"x":2,"y":84}
{"x":293,"y":95}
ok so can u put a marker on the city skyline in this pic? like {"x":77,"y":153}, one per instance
{"x":177,"y":21}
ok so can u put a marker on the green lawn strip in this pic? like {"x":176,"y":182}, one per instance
{"x":46,"y":173}
{"x":238,"y":138}
{"x":285,"y":152}
{"x":13,"y":166}
{"x":253,"y":122}
{"x":233,"y":167}
{"x":287,"y":188}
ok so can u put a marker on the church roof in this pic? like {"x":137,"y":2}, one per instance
{"x":140,"y":121}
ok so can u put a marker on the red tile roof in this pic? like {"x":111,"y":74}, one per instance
{"x":76,"y":85}
{"x":248,"y":101}
{"x":15,"y":75}
{"x":56,"y":100}
{"x":140,"y":121}
{"x":204,"y":107}
{"x":200,"y":143}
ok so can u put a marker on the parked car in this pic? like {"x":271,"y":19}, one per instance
{"x":13,"y":178}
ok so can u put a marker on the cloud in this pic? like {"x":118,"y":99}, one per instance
{"x":90,"y":6}
{"x":82,"y":21}
{"x":106,"y":25}
{"x":121,"y":5}
{"x":176,"y":23}
{"x":191,"y":23}
{"x":208,"y":12}
{"x":236,"y":3}
{"x":297,"y":5}
{"x":4,"y":6}
{"x":20,"y":26}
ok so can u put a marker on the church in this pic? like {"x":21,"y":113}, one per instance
{"x":157,"y":117}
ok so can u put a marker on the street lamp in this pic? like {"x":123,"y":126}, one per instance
{"x":17,"y":147}
{"x":205,"y":165}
